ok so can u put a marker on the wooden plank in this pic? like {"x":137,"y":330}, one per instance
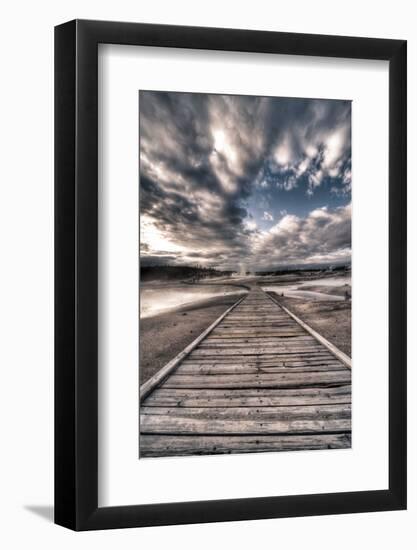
{"x":276,"y":352}
{"x":259,"y":391}
{"x":331,"y":361}
{"x":271,"y":313}
{"x":306,"y":412}
{"x":264,"y":343}
{"x":155,"y":424}
{"x":242,"y":369}
{"x":249,"y":316}
{"x":231,"y":400}
{"x":237,"y":352}
{"x":222,"y":332}
{"x":250,"y":336}
{"x":272,"y":328}
{"x":288,"y":324}
{"x":303,"y":378}
{"x":251,"y":312}
{"x":278,"y":349}
{"x":283,"y":396}
{"x":258,"y":380}
{"x":154,"y":446}
{"x":256,"y":367}
{"x":253,"y":338}
{"x":279,"y":359}
{"x":259,"y":318}
{"x":255,"y":322}
{"x":230,"y":322}
{"x":256,"y":337}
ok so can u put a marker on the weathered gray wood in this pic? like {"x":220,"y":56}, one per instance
{"x":306,"y":412}
{"x":243,"y":369}
{"x":269,"y":342}
{"x":266,"y":344}
{"x":255,"y":336}
{"x":193,"y":368}
{"x":231,"y":325}
{"x":261,"y":364}
{"x":231,"y":400}
{"x":290,"y":392}
{"x":249,"y":316}
{"x":259,"y":319}
{"x":256,"y":332}
{"x":155,"y":424}
{"x":241,"y":337}
{"x":284,"y":340}
{"x":267,"y":350}
{"x":279,"y":359}
{"x":154,"y":446}
{"x":249,"y":396}
{"x":250,"y":349}
{"x":258,"y":380}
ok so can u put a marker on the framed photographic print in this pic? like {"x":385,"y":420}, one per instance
{"x":230,"y":275}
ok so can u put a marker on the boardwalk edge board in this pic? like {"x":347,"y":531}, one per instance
{"x":165,"y":371}
{"x":346,"y":360}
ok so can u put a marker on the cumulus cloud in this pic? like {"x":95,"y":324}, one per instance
{"x":268,"y":217}
{"x":203,"y":158}
{"x":323,"y":236}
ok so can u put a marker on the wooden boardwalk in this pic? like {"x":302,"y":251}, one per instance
{"x":258,"y":381}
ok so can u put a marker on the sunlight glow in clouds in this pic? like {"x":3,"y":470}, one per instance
{"x":233,"y":180}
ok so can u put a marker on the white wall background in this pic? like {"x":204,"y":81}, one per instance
{"x":26,"y":300}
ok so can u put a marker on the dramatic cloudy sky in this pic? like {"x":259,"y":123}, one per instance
{"x":241,"y":182}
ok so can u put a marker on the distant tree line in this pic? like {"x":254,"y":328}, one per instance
{"x":288,"y":270}
{"x":174,"y":272}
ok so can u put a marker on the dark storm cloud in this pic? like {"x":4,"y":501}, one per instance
{"x":204,"y":157}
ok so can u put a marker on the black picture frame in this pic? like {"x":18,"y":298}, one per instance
{"x":76,"y":272}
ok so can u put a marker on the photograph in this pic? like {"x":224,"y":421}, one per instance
{"x":245,"y":274}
